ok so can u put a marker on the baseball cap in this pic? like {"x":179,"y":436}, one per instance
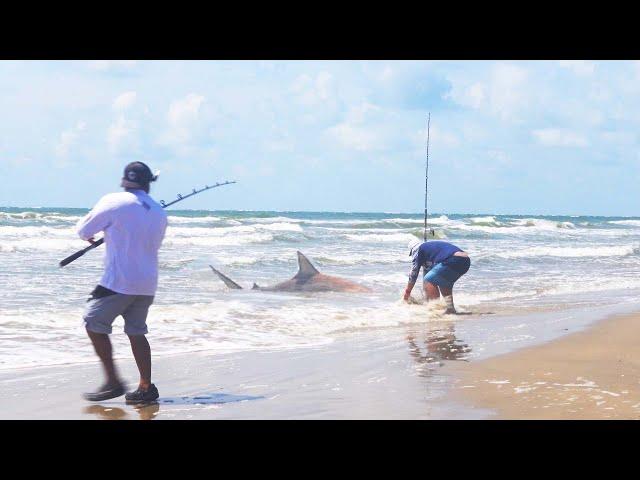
{"x":137,"y":175}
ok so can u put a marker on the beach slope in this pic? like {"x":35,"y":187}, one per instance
{"x":592,"y":374}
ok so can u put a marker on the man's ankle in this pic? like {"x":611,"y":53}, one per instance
{"x":144,"y":385}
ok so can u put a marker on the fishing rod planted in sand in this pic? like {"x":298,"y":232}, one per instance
{"x":426,"y":181}
{"x":97,"y":243}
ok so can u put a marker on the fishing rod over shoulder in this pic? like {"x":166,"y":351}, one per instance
{"x":97,"y":243}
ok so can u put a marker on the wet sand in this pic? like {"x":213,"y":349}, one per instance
{"x":388,"y":374}
{"x":592,"y":374}
{"x":421,"y":371}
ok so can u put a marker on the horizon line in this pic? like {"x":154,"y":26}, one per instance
{"x":351,"y":212}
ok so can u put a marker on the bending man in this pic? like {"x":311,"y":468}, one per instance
{"x":134,"y":226}
{"x":444,"y":264}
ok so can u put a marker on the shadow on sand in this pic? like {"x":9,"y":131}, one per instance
{"x":206,"y":399}
{"x":149,"y":411}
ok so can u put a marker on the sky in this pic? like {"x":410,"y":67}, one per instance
{"x":506,"y":137}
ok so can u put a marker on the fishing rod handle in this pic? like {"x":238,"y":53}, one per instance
{"x":80,"y":253}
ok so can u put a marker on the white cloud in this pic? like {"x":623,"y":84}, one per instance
{"x":501,"y":157}
{"x":182,"y":117}
{"x":559,"y":137}
{"x":19,"y":161}
{"x":438,"y":138}
{"x":387,"y":73}
{"x":508,"y":91}
{"x":120,"y":134}
{"x":357,"y":131}
{"x":105,"y":65}
{"x":124,"y":101}
{"x":280,"y":142}
{"x":475,"y":95}
{"x":184,"y":110}
{"x":354,"y":136}
{"x":313,"y":91}
{"x":67,"y":140}
{"x":579,"y":67}
{"x":620,"y":138}
{"x":502,"y":92}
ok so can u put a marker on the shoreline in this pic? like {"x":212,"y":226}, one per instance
{"x":431,"y":370}
{"x":590,"y":374}
{"x":365,"y":376}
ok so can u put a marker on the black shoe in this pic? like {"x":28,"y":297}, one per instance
{"x":105,"y":392}
{"x":143,"y":396}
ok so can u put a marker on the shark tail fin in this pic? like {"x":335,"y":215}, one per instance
{"x":255,"y":286}
{"x":305,"y":268}
{"x":227,"y":281}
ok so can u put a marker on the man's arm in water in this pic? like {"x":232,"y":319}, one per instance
{"x":413,"y":275}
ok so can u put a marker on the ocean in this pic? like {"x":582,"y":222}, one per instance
{"x":521,"y":266}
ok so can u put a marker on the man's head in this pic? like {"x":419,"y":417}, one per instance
{"x":413,"y":246}
{"x":137,"y":176}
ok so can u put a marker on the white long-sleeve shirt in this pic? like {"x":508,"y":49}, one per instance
{"x":134,"y":226}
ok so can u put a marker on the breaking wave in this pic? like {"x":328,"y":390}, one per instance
{"x":569,"y":252}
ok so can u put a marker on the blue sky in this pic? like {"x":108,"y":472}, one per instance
{"x":543,"y":137}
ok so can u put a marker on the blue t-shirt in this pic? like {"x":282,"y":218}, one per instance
{"x":430,"y":254}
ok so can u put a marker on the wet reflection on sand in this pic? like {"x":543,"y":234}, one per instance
{"x":145,"y":412}
{"x":432,"y":346}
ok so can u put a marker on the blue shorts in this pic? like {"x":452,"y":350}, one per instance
{"x":445,"y":274}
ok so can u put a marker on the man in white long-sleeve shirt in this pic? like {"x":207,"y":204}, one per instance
{"x":134,"y":226}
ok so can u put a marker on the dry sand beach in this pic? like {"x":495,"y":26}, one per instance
{"x":593,"y":374}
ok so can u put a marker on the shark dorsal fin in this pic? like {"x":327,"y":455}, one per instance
{"x":305,"y":268}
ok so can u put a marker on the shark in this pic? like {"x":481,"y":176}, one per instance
{"x":308,"y":279}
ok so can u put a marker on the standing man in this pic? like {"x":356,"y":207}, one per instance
{"x":444,"y":264}
{"x":134,"y":226}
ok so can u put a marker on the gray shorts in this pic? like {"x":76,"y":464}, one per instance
{"x":101,"y":312}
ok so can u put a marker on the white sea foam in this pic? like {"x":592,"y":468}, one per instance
{"x":517,"y":264}
{"x":486,"y":221}
{"x":218,"y":241}
{"x":173,"y":219}
{"x":572,"y":252}
{"x":228,"y":231}
{"x":399,"y":238}
{"x":41,"y":244}
{"x":543,"y":224}
{"x":205,"y":326}
{"x":362,"y":258}
{"x":630,"y":223}
{"x":10,"y":231}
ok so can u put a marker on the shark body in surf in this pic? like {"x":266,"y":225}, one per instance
{"x":308,"y":279}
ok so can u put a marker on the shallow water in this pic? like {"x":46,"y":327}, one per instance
{"x":520,"y":265}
